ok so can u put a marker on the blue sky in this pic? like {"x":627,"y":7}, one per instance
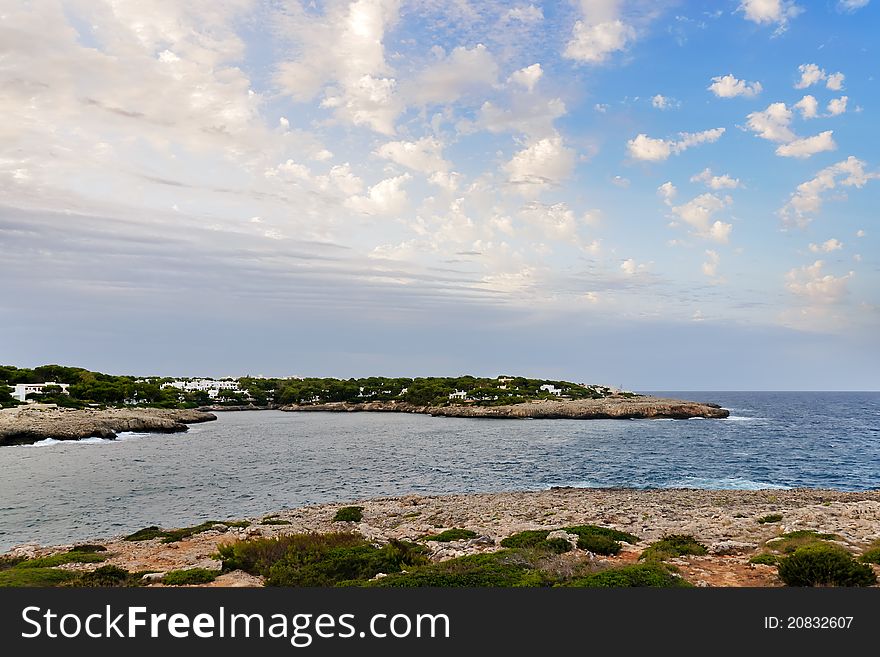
{"x":660,"y":195}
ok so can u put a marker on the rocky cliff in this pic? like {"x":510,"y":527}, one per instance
{"x":29,"y":424}
{"x":614,"y":407}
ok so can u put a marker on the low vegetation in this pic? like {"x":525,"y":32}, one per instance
{"x":600,"y":540}
{"x":319,"y":559}
{"x":455,"y":534}
{"x":636,"y":575}
{"x":765,"y":558}
{"x":770,"y":518}
{"x":788,"y":543}
{"x":72,"y":556}
{"x":349,"y":514}
{"x":671,"y":546}
{"x":871,"y":556}
{"x":174,"y":535}
{"x":537,"y":539}
{"x":824,"y":565}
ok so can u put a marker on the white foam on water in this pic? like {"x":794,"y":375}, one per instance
{"x":130,"y":435}
{"x":723,"y":483}
{"x":743,"y":418}
{"x":48,"y":442}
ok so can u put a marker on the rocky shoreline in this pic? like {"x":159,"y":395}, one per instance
{"x":732,"y":524}
{"x":25,"y":425}
{"x":614,"y":407}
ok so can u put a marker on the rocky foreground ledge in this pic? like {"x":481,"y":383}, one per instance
{"x":734,"y":525}
{"x":614,"y":407}
{"x":27,"y":424}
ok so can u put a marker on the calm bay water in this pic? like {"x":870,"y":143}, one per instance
{"x":256,"y":462}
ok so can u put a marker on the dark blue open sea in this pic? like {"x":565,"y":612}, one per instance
{"x":256,"y":462}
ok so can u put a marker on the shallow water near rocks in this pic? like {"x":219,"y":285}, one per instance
{"x":252,"y":463}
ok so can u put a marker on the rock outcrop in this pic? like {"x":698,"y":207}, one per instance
{"x":614,"y":407}
{"x":29,"y":424}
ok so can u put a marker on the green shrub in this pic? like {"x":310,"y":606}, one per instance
{"x":174,"y":535}
{"x":506,"y":568}
{"x":107,"y":576}
{"x":536,"y":539}
{"x":189,"y":576}
{"x":62,"y":558}
{"x":274,"y":521}
{"x":454,"y":534}
{"x":824,"y":565}
{"x":33,"y":577}
{"x":88,"y":547}
{"x":10,"y":562}
{"x":871,"y":556}
{"x":770,"y":517}
{"x":635,"y":575}
{"x":526,"y":539}
{"x":319,"y":559}
{"x":766,"y":558}
{"x":673,"y":545}
{"x":788,"y":543}
{"x":349,"y":514}
{"x":600,"y":540}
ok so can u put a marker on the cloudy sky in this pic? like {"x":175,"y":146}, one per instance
{"x":660,"y":195}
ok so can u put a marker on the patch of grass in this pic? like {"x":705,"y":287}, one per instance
{"x":274,"y":521}
{"x":106,"y":577}
{"x":536,"y":539}
{"x":824,"y":565}
{"x":33,"y":577}
{"x":60,"y":559}
{"x":636,"y":575}
{"x":788,"y":543}
{"x":506,"y":568}
{"x":673,"y":545}
{"x":770,"y":517}
{"x":349,"y":514}
{"x":174,"y":535}
{"x":600,"y":540}
{"x":189,"y":576}
{"x":455,"y":534}
{"x":10,"y":562}
{"x":319,"y":559}
{"x":765,"y":558}
{"x":88,"y":547}
{"x":871,"y":556}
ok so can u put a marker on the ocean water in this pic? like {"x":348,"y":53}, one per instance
{"x":256,"y":462}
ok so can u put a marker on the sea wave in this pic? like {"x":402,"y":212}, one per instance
{"x":49,"y":442}
{"x":723,"y":483}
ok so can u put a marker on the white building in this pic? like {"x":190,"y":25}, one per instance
{"x":553,"y":390}
{"x":458,"y":394}
{"x":22,"y":390}
{"x":211,"y":386}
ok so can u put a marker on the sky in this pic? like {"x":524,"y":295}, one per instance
{"x":657,"y":195}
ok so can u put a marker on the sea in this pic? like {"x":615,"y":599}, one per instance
{"x":253,"y":463}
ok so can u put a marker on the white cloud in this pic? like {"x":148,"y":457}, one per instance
{"x":662,"y":102}
{"x":770,"y":11}
{"x":772,"y":123}
{"x":667,"y":192}
{"x":808,"y":146}
{"x":710,"y":266}
{"x":699,"y":213}
{"x":386,"y":197}
{"x":827,"y":247}
{"x":723,"y":181}
{"x":808,"y":106}
{"x":424,"y":155}
{"x":835,"y":81}
{"x":529,"y":115}
{"x":806,"y":200}
{"x":526,"y":14}
{"x":809,"y":282}
{"x":461,"y":72}
{"x":557,"y":222}
{"x":837,"y":105}
{"x":860,"y":233}
{"x":852,"y":5}
{"x":540,"y":165}
{"x":727,"y":86}
{"x":631,"y":268}
{"x":595,"y":42}
{"x":528,"y":77}
{"x":359,"y":87}
{"x":811,"y":74}
{"x":601,"y":107}
{"x":643,"y":147}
